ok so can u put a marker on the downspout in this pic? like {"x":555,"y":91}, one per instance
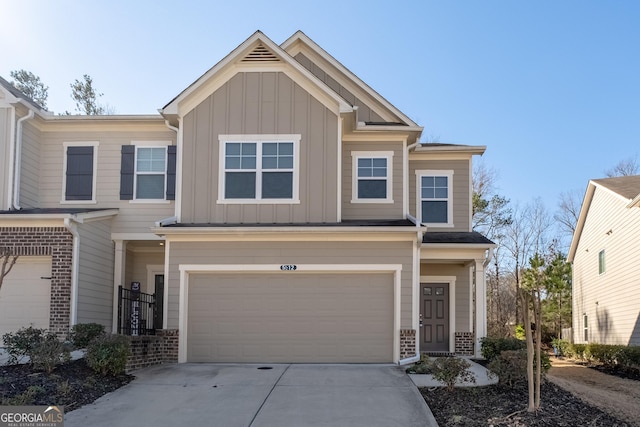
{"x":12,"y":142}
{"x":15,"y":205}
{"x":73,"y":229}
{"x":178,"y":194}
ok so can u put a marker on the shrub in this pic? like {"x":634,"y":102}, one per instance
{"x":43,"y":349}
{"x":578,"y":351}
{"x":492,"y":347}
{"x":422,"y":367}
{"x":108,"y":354}
{"x":510,"y":367}
{"x":563,"y":346}
{"x":83,"y":333}
{"x":521,"y":333}
{"x":450,"y":369}
{"x":630,"y":357}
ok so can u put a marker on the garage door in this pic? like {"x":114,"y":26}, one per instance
{"x":25,"y":295}
{"x":326,"y":318}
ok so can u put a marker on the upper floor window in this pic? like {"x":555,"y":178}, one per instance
{"x":259,"y":168}
{"x":435,"y":197}
{"x":79,"y":179}
{"x":601,"y":262}
{"x":148,"y":172}
{"x":372,"y":177}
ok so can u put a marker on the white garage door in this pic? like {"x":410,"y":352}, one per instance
{"x":328,"y":318}
{"x":25,"y":295}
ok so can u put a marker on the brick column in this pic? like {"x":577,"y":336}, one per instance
{"x":407,"y":343}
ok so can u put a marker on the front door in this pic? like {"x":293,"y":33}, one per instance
{"x":159,"y":306}
{"x":434,"y":315}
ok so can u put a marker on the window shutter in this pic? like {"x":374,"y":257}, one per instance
{"x":171,"y":172}
{"x":79,"y":179}
{"x":127,"y":168}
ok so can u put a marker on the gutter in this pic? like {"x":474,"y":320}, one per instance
{"x":409,"y":360}
{"x":15,"y":203}
{"x":73,"y":311}
{"x":12,"y":138}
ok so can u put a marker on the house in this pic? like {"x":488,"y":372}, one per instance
{"x":279,"y":209}
{"x":605,"y":252}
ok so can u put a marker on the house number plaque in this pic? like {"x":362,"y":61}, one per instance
{"x":288,"y":267}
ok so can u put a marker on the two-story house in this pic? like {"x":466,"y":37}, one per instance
{"x":605,"y":252}
{"x":279,"y":208}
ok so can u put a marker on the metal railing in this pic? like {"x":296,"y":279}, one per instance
{"x":136,"y":312}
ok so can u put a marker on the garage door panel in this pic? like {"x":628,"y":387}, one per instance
{"x":301,"y":318}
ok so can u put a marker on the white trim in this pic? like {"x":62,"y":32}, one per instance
{"x":147,"y":145}
{"x":73,"y":303}
{"x":186,"y":269}
{"x":135,"y":236}
{"x":259,"y":140}
{"x":451,"y":280}
{"x":339,"y":181}
{"x":66,"y":145}
{"x":179,"y":170}
{"x":405,"y":180}
{"x":355,"y":156}
{"x":119,"y":264}
{"x":434,"y":172}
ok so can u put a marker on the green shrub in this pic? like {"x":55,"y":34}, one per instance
{"x":43,"y":349}
{"x":521,"y":332}
{"x":422,"y":367}
{"x":450,"y":369}
{"x":578,"y":351}
{"x":510,"y":367}
{"x":630,"y":357}
{"x":563,"y":346}
{"x":491,"y":348}
{"x":83,"y":333}
{"x":108,"y":354}
{"x":20,"y":343}
{"x":608,"y":355}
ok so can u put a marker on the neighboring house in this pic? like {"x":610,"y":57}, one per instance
{"x":605,"y":252}
{"x":279,"y":208}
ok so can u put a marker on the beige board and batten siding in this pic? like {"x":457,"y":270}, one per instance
{"x":372,"y":210}
{"x":460,"y":191}
{"x":95,"y":273}
{"x":278,"y":253}
{"x":365,"y":113}
{"x":612,"y":299}
{"x":283,"y":317}
{"x":462,"y":289}
{"x":133,"y":217}
{"x":260,"y":103}
{"x":31,"y":154}
{"x":5,"y":150}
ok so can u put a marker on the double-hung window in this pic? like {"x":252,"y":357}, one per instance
{"x":602,"y":267}
{"x":148,"y":171}
{"x":79,"y":179}
{"x":372,"y":177}
{"x":259,"y":168}
{"x":151,"y":167}
{"x":435,"y":197}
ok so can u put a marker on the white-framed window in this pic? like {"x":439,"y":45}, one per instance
{"x":372,"y":177}
{"x":80,"y":162}
{"x":150,"y":172}
{"x":435,"y":197}
{"x":259,"y":168}
{"x":602,"y":267}
{"x":585,"y":327}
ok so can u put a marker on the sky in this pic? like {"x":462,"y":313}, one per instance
{"x":550,"y":87}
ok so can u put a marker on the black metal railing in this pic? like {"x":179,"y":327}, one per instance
{"x":136,"y":312}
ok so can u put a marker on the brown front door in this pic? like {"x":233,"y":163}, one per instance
{"x":434,"y":314}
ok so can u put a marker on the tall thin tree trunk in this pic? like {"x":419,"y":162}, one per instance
{"x":525,"y":298}
{"x":538,"y":319}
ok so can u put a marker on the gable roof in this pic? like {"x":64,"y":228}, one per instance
{"x":626,"y":188}
{"x":258,"y":52}
{"x":17,"y":95}
{"x":298,"y":41}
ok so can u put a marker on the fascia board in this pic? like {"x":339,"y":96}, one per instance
{"x":471,"y":149}
{"x":299,"y":36}
{"x":582,"y":217}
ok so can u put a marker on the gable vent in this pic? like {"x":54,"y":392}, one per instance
{"x":260,"y":54}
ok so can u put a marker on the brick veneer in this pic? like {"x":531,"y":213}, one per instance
{"x":56,"y":242}
{"x":407,"y":343}
{"x":464,"y":344}
{"x":153,"y":349}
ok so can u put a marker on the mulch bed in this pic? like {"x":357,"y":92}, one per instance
{"x":501,"y":407}
{"x":71,"y":385}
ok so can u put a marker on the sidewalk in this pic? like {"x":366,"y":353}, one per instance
{"x":481,"y":373}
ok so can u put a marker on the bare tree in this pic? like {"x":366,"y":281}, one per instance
{"x":7,"y":260}
{"x":625,"y":167}
{"x":569,"y":205}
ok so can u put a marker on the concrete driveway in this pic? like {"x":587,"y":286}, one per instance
{"x":248,"y":395}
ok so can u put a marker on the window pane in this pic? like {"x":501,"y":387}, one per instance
{"x":240,"y":185}
{"x":232,"y":162}
{"x":286,"y":148}
{"x":233,"y":148}
{"x":441,"y":193}
{"x":285,"y":162}
{"x":277,"y":185}
{"x":428,"y":181}
{"x":270,"y":162}
{"x":364,"y":163}
{"x":434,"y":212}
{"x":151,"y":159}
{"x":270,"y":148}
{"x":428,"y":193}
{"x":372,"y":189}
{"x":379,"y":163}
{"x":440,"y":181}
{"x":150,"y":187}
{"x":364,"y":172}
{"x":380,"y":171}
{"x":249,"y":148}
{"x":248,"y":163}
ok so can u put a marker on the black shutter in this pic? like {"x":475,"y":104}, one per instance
{"x":171,"y":172}
{"x":79,"y":179}
{"x":127,"y":167}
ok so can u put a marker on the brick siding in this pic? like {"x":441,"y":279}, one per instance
{"x":152,"y":350}
{"x":56,"y":242}
{"x":407,"y":343}
{"x":464,"y":343}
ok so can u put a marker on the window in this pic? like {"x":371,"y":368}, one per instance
{"x":434,"y":197}
{"x":601,"y":263}
{"x":148,"y":172}
{"x":79,"y":172}
{"x":259,"y":168}
{"x":585,"y":323}
{"x":372,"y":172}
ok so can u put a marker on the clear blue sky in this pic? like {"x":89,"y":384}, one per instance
{"x":552,"y":88}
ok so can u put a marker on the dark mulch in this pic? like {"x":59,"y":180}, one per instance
{"x":71,"y":385}
{"x":501,"y":407}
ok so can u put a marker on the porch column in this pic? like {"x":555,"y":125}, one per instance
{"x":481,"y":304}
{"x":118,"y":277}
